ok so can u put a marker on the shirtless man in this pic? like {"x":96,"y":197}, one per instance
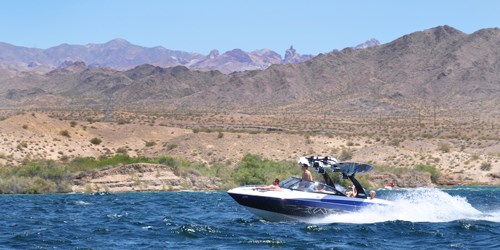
{"x":306,"y":174}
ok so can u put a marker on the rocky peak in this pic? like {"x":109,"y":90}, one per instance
{"x":291,"y":56}
{"x":370,"y":43}
{"x":213,"y":54}
{"x":239,"y":55}
{"x":443,"y":32}
{"x":118,"y":43}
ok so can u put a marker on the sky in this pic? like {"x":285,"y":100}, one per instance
{"x":311,"y":26}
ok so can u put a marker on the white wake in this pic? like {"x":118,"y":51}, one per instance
{"x":415,"y":205}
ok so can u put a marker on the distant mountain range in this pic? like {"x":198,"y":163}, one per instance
{"x":439,"y":69}
{"x":122,"y":55}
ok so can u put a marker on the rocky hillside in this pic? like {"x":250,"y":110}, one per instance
{"x":140,"y":177}
{"x":439,"y":69}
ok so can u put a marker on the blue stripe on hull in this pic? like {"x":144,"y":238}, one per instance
{"x":297,"y":207}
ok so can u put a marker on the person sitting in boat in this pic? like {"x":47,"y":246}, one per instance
{"x":372,"y":195}
{"x":352,"y":193}
{"x":275,"y":186}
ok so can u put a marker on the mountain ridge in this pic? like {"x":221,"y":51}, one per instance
{"x":123,"y":55}
{"x":440,"y":68}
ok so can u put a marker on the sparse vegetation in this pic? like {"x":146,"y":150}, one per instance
{"x":220,"y":135}
{"x":345,"y":155}
{"x":95,"y":141}
{"x":65,"y":133}
{"x":435,"y":173}
{"x":458,"y":147}
{"x":35,"y":178}
{"x":485,"y":166}
{"x":121,"y":150}
{"x":443,"y":147}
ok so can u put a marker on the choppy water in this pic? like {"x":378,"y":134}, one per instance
{"x":454,"y":218}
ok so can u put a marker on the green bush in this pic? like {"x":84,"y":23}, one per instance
{"x":253,"y":170}
{"x":95,"y":141}
{"x":435,"y":174}
{"x":35,"y":178}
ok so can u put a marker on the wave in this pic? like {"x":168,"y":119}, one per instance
{"x":416,"y":205}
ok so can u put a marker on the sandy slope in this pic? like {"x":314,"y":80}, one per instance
{"x":36,"y":135}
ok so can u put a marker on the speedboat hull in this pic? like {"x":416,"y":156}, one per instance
{"x":289,"y":204}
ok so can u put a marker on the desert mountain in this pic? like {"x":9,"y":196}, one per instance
{"x":122,"y":55}
{"x":439,"y":68}
{"x":436,"y":69}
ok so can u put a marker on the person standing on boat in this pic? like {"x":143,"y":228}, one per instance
{"x":306,"y":174}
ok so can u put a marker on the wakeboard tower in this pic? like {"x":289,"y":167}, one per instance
{"x":348,"y":170}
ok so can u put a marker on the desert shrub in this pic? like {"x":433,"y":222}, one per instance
{"x":95,"y":141}
{"x":345,"y":155}
{"x":25,"y":126}
{"x":445,"y":148}
{"x":485,"y":166}
{"x":64,"y":133}
{"x":22,"y":145}
{"x":121,"y":150}
{"x":89,"y":163}
{"x":435,"y":174}
{"x":150,"y":143}
{"x":475,"y":157}
{"x":220,"y":135}
{"x":395,"y":142}
{"x":122,"y":121}
{"x":72,"y":124}
{"x":171,"y":146}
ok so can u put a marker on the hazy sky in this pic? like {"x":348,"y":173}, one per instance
{"x":311,"y":26}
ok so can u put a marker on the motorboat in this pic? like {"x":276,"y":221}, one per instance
{"x":390,"y":186}
{"x":297,"y":199}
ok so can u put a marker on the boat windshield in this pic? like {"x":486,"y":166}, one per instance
{"x":294,"y":183}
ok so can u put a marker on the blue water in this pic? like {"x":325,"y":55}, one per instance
{"x":454,"y":218}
